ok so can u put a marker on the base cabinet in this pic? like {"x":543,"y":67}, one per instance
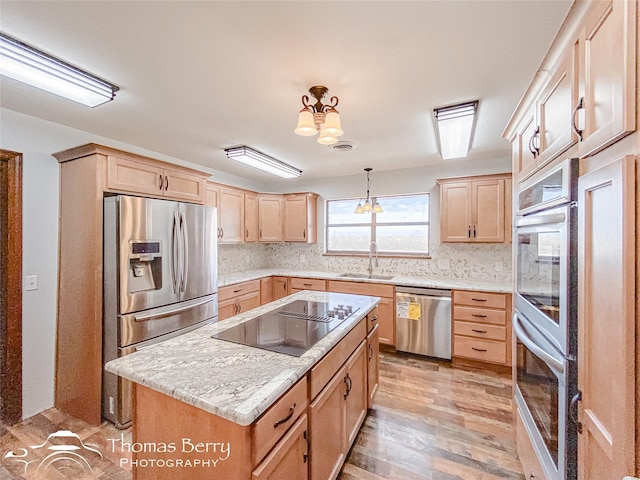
{"x":280,"y":287}
{"x":289,"y":458}
{"x":238,"y":298}
{"x":373,"y":364}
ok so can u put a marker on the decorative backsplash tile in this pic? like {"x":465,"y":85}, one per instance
{"x":448,"y":260}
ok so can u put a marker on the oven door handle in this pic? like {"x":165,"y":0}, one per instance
{"x":541,"y":219}
{"x":531,"y":345}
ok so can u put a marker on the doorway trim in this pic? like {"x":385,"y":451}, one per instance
{"x":11,"y":327}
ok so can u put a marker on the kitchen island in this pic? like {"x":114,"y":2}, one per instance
{"x":209,"y":408}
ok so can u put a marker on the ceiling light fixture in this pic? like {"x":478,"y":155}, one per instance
{"x":370,"y":204}
{"x":257,"y":159}
{"x":38,"y":69}
{"x":314,"y":118}
{"x":455,"y":125}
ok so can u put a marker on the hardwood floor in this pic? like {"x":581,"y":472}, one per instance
{"x":430,"y":420}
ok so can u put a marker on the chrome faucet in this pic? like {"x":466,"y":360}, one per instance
{"x":373,"y":250}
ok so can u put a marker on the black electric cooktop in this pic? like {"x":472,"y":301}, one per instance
{"x":291,"y":329}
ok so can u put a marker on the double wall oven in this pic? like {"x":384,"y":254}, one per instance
{"x":545,"y":315}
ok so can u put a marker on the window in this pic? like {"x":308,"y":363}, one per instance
{"x":402,"y":229}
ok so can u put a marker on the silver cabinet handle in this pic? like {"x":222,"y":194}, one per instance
{"x":574,"y":123}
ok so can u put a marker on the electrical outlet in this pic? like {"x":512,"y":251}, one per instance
{"x":303,"y":259}
{"x":498,"y":266}
{"x":31,"y":282}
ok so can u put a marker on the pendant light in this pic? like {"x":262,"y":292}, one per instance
{"x":370,"y":204}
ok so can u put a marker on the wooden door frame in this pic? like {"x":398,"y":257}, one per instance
{"x":11,"y":327}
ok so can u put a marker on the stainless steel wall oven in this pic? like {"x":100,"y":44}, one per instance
{"x":545,"y":318}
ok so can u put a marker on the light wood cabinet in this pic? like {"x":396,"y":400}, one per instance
{"x":280,"y":287}
{"x":373,"y":363}
{"x":270,"y":216}
{"x":481,"y":326}
{"x":356,"y":401}
{"x":211,"y":194}
{"x":250,"y":217}
{"x":608,"y":59}
{"x":289,"y":459}
{"x":524,"y":153}
{"x":230,"y":215}
{"x":472,"y":209}
{"x":238,"y":298}
{"x":508,"y":210}
{"x":298,"y":284}
{"x":153,"y":178}
{"x":386,"y":308}
{"x":301,"y":217}
{"x":266,"y":290}
{"x":607,"y":321}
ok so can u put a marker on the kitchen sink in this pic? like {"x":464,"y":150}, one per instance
{"x":366,"y":275}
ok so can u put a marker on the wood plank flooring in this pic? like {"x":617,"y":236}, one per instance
{"x":430,"y":421}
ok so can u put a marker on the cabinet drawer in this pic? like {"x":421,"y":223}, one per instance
{"x":268,"y":429}
{"x":238,"y":289}
{"x":480,"y":330}
{"x":485,"y":315}
{"x":361,"y":288}
{"x":484,"y":350}
{"x":308,"y":284}
{"x":480,"y":299}
{"x":372,"y":319}
{"x":322,"y":372}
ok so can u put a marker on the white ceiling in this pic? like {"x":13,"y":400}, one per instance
{"x":198,"y":77}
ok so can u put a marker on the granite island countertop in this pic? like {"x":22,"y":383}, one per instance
{"x":232,"y":381}
{"x":225,"y":279}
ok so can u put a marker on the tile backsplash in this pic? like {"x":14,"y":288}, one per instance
{"x":448,"y":260}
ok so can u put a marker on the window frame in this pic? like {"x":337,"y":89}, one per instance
{"x":373,"y":225}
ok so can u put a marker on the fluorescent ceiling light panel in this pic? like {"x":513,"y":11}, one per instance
{"x":38,"y":69}
{"x":454,"y":127}
{"x":264,"y":162}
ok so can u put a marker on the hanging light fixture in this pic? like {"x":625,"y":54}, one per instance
{"x":318,"y":117}
{"x":370,"y":204}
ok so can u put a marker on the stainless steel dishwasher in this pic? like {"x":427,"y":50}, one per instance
{"x":423,"y":321}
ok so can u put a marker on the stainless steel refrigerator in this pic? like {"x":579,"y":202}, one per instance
{"x":160,"y":280}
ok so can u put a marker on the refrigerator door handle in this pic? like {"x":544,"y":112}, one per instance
{"x":185,"y":252}
{"x":175,"y":248}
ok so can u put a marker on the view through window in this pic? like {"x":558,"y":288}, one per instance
{"x":401,"y":229}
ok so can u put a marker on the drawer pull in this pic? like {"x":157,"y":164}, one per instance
{"x":477,"y":315}
{"x":478,"y":331}
{"x":236,"y":291}
{"x":308,"y":284}
{"x":479,"y":349}
{"x":478,"y":299}
{"x":374,"y":318}
{"x":287,"y":418}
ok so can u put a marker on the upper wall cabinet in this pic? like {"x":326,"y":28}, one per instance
{"x":230,"y":215}
{"x":270,"y":215}
{"x":251,"y":223}
{"x":301,"y":217}
{"x":472,"y":209}
{"x":607,"y":49}
{"x":154,"y":179}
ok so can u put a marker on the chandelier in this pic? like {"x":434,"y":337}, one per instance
{"x":370,"y":204}
{"x":319,"y":117}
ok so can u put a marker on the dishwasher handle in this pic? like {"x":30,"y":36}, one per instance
{"x":424,"y":292}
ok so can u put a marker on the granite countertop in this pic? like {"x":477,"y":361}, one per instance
{"x":232,"y":381}
{"x":225,"y":279}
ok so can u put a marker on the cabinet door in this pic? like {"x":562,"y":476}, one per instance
{"x":134,"y":177}
{"x":608,"y":74}
{"x":280,"y":287}
{"x":211,"y":195}
{"x":231,"y":215}
{"x":327,"y":429}
{"x":387,"y":321}
{"x":250,"y":217}
{"x":455,"y":212}
{"x":227,"y":308}
{"x":487,"y":198}
{"x":606,"y":321}
{"x":356,"y":394}
{"x":183,"y":186}
{"x":373,"y":364}
{"x":508,"y":210}
{"x":525,"y":160}
{"x":248,"y":301}
{"x":266,"y":290}
{"x":295,"y":219}
{"x":270,"y":218}
{"x":289,"y":457}
{"x":555,"y":109}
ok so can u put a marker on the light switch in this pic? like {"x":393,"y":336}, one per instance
{"x":498,"y":266}
{"x":31,"y":282}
